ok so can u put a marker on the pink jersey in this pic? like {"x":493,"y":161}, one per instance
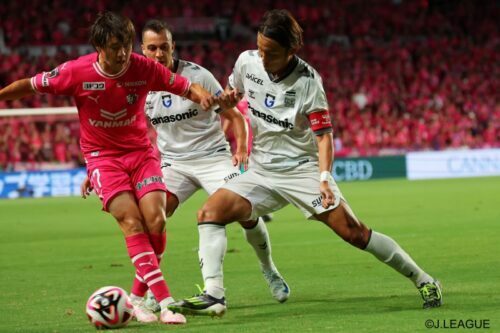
{"x":110,"y":107}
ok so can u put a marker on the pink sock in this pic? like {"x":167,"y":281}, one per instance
{"x":144,"y":259}
{"x":159,"y":243}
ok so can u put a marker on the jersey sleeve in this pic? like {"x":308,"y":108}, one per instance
{"x":315,"y":97}
{"x":165,"y":80}
{"x":59,"y":81}
{"x":236,"y":78}
{"x":315,"y":106}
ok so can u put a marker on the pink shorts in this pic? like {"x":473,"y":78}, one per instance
{"x":137,"y":172}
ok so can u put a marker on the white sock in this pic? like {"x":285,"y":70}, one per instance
{"x":212,"y":248}
{"x":389,"y":252}
{"x":165,"y":302}
{"x":258,"y":237}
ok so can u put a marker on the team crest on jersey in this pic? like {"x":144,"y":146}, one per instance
{"x":166,"y":100}
{"x":290,"y":99}
{"x":269,"y":101}
{"x":132,"y":98}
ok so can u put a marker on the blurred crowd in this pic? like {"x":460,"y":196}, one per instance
{"x":399,"y":75}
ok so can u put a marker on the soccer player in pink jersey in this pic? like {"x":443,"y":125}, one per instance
{"x":110,"y":88}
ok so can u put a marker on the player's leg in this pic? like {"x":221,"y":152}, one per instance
{"x":244,"y":198}
{"x":212,"y":173}
{"x":220,"y":209}
{"x":126,"y":212}
{"x":257,"y":236}
{"x":150,"y":193}
{"x":181,"y":186}
{"x":345,"y":224}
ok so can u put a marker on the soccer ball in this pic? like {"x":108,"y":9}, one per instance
{"x":109,"y":307}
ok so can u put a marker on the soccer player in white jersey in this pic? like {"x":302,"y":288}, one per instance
{"x":290,"y":163}
{"x":195,"y":154}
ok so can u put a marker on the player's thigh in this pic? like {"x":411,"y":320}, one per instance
{"x":259,"y":191}
{"x":125,"y":210}
{"x":213,"y":172}
{"x":300,"y":187}
{"x":152,"y":206}
{"x":145,"y":173}
{"x":172,"y":204}
{"x":180,"y":181}
{"x":108,"y":178}
{"x":224,"y":206}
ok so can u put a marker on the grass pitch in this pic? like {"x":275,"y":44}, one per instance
{"x":55,"y":252}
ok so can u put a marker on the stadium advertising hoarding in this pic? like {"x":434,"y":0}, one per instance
{"x":41,"y":183}
{"x":453,"y":164}
{"x":366,"y":168}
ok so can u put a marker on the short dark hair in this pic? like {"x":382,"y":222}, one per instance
{"x":109,"y":24}
{"x":281,"y":26}
{"x":156,"y":26}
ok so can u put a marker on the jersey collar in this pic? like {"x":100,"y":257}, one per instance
{"x":288,"y":70}
{"x":175,"y":66}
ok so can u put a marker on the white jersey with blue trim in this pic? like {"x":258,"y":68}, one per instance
{"x":279,"y":109}
{"x":184,"y":130}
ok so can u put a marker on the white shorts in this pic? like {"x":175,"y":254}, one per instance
{"x":184,"y":178}
{"x":269,"y":191}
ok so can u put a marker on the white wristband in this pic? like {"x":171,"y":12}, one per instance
{"x":325,"y":176}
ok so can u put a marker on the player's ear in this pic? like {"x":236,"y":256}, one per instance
{"x":143,"y":48}
{"x":173,"y":45}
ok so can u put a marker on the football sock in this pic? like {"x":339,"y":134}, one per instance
{"x":389,"y":252}
{"x":144,"y":259}
{"x":159,"y":243}
{"x":258,"y":237}
{"x":166,"y":302}
{"x":213,"y":244}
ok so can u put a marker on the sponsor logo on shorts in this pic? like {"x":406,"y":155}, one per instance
{"x":94,"y":85}
{"x":231,"y":176}
{"x":270,"y":118}
{"x":316,"y":202}
{"x":148,"y":181}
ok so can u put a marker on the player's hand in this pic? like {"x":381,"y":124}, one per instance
{"x":228,"y":100}
{"x":208,"y":102}
{"x":86,"y":188}
{"x":327,"y":197}
{"x":240,"y":159}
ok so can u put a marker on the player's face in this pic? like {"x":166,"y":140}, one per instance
{"x":114,"y":56}
{"x":274,"y":56}
{"x":159,"y":47}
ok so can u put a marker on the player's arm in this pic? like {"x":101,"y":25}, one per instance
{"x":322,"y":127}
{"x":16,"y":90}
{"x":234,"y":119}
{"x":200,"y":95}
{"x":229,"y":99}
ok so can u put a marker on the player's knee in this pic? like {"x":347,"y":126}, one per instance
{"x":131,"y":225}
{"x":208,"y":213}
{"x":156,"y":224}
{"x":357,"y":236}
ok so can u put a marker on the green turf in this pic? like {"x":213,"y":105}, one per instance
{"x":55,"y":252}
